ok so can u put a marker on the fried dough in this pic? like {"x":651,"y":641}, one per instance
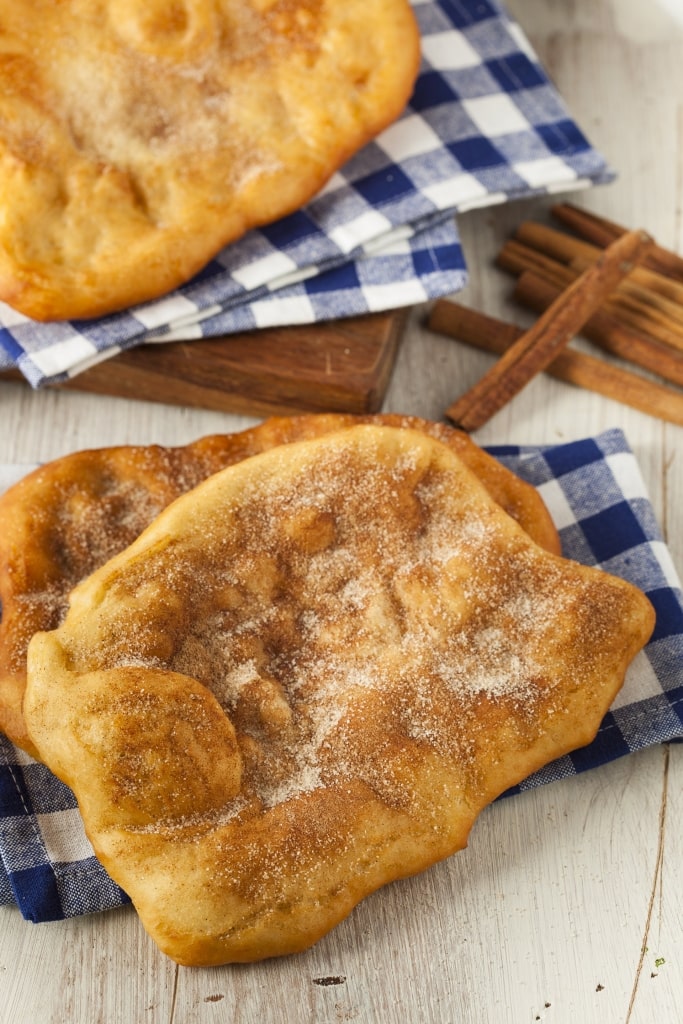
{"x":307,"y":677}
{"x":66,"y":519}
{"x":139,"y":139}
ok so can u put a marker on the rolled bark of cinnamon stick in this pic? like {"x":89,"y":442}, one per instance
{"x":538,"y":346}
{"x":631,"y":304}
{"x":495,"y":336}
{"x":540,"y":245}
{"x":606,"y":331}
{"x":603,"y":232}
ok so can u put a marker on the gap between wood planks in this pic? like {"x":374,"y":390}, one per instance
{"x":656,"y":884}
{"x":174,"y":997}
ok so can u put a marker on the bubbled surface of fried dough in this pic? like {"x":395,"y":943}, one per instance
{"x":66,"y":519}
{"x":138,"y":139}
{"x":307,"y":677}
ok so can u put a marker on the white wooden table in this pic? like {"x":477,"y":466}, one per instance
{"x":567,"y":906}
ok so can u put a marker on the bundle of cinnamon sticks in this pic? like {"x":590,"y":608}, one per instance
{"x":616,"y":287}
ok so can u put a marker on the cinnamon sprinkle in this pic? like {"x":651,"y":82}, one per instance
{"x":287,"y":638}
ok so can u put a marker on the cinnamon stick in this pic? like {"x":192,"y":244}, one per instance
{"x":516,"y":258}
{"x":586,"y":224}
{"x":632,"y":306}
{"x":644,"y":310}
{"x":632,"y":294}
{"x":603,"y":232}
{"x":491,"y":335}
{"x":606,"y":331}
{"x":557,"y":244}
{"x":540,"y":240}
{"x":538,"y":346}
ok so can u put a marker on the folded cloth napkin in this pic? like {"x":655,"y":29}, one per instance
{"x":484,"y":125}
{"x":597,"y":497}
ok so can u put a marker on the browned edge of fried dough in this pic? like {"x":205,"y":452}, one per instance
{"x":68,"y":517}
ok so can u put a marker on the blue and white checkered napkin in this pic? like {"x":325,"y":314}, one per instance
{"x":596,"y":495}
{"x":485,"y":125}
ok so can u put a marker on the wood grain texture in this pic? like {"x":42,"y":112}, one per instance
{"x":343,"y":366}
{"x":567,"y":895}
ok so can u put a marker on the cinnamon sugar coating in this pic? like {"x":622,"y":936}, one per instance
{"x":307,"y":677}
{"x":70,"y":516}
{"x":137,"y":139}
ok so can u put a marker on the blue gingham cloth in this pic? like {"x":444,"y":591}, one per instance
{"x":485,"y":125}
{"x":597,"y":497}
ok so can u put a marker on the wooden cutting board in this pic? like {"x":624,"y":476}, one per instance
{"x":342,"y":366}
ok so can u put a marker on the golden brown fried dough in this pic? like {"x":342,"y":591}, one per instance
{"x":138,"y":139}
{"x":63,"y":521}
{"x":307,"y":677}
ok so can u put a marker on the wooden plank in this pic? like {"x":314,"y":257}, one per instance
{"x":341,"y":366}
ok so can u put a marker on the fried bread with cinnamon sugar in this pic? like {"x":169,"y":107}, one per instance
{"x":307,"y":677}
{"x":64,"y":520}
{"x":139,"y":139}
